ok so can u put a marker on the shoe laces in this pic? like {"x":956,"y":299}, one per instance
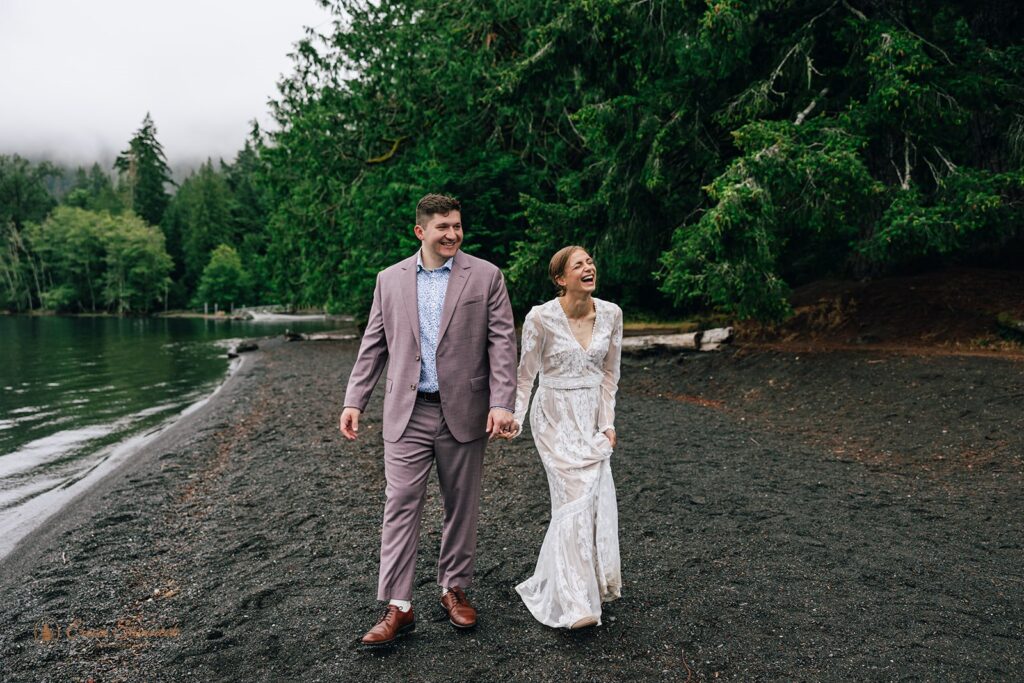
{"x":388,"y":609}
{"x":458,"y":594}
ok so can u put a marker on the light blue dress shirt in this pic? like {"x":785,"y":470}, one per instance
{"x":431,"y":286}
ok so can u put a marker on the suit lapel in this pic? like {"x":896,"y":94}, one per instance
{"x":408,"y":284}
{"x":456,"y":283}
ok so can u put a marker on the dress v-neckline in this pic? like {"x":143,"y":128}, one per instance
{"x":568,"y":326}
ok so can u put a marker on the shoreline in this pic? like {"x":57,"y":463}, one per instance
{"x":827,"y":517}
{"x":122,"y":458}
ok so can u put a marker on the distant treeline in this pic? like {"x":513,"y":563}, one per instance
{"x":710,"y":154}
{"x":90,"y":245}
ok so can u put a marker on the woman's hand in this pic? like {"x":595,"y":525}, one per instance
{"x":610,"y":434}
{"x":511,"y":433}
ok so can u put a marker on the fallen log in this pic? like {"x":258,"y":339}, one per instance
{"x":291,"y":335}
{"x":707,"y":340}
{"x":689,"y":341}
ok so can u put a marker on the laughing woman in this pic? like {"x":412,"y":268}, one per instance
{"x":574,"y":342}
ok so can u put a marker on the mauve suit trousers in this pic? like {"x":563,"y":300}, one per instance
{"x":407,"y":462}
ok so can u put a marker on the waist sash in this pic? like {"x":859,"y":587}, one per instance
{"x":585,"y":382}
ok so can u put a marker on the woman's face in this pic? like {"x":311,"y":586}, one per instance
{"x":580,"y":274}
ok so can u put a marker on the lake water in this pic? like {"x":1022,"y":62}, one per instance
{"x":77,"y":394}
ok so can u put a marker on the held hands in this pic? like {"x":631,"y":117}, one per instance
{"x":501,"y":424}
{"x":349,"y":423}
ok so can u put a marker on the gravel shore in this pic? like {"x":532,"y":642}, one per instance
{"x":815,"y":517}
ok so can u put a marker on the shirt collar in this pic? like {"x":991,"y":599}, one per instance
{"x":420,"y":267}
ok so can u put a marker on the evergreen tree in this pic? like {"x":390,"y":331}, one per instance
{"x":144,"y":174}
{"x":93,"y":190}
{"x":198,"y":219}
{"x":248,"y":212}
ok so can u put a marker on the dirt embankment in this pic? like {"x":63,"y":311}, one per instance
{"x":949,"y":311}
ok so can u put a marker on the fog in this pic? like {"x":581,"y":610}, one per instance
{"x":78,"y":77}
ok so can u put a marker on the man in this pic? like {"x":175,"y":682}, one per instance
{"x":442,"y":321}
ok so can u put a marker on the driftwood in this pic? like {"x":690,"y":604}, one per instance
{"x":706,"y":340}
{"x":320,"y":336}
{"x":242,"y":347}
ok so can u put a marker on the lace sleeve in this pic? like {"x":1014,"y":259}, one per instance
{"x":529,"y":364}
{"x":610,"y":381}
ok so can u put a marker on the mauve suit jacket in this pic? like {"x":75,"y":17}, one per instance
{"x":476,"y":348}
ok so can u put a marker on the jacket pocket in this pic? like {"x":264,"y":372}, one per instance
{"x":473,"y":300}
{"x":479,"y":383}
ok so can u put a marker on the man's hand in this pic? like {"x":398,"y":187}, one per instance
{"x":349,"y":423}
{"x":500,"y":424}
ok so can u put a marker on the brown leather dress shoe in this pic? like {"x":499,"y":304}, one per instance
{"x":460,"y":612}
{"x":392,"y":624}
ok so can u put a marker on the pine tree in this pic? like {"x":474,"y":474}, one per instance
{"x":144,"y":174}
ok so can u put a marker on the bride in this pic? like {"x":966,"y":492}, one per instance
{"x":574,"y":342}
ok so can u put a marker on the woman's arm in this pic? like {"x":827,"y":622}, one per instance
{"x":610,"y":381}
{"x":529,"y":365}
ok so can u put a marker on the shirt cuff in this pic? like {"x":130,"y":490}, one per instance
{"x":606,"y":428}
{"x":503,"y":408}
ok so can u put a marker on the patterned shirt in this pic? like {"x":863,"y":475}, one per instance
{"x":431,"y":286}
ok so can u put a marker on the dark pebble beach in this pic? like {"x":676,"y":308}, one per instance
{"x":783,"y":516}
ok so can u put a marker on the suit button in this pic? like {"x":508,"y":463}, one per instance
{"x":413,"y":387}
{"x":417,"y":357}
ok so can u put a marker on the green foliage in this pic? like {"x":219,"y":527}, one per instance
{"x":224,"y":281}
{"x":23,"y":199}
{"x":197,"y":220}
{"x":94,"y":191}
{"x":95,"y":261}
{"x":709,"y":154}
{"x":144,"y":174}
{"x":248,"y":210}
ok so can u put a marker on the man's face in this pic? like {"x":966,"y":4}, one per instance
{"x":442,"y":235}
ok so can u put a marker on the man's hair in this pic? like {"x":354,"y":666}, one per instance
{"x":433,"y":204}
{"x":556,"y":268}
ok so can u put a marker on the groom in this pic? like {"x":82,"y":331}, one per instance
{"x":442,"y":322}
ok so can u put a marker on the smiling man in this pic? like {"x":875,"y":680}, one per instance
{"x":442,"y":322}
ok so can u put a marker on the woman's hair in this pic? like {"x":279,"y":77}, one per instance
{"x":556,"y":268}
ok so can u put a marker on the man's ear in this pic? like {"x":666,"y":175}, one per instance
{"x":418,"y":231}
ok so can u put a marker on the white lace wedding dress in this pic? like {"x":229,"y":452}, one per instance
{"x":578,"y":566}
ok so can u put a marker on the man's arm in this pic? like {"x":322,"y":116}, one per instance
{"x":373,"y":354}
{"x":501,"y":353}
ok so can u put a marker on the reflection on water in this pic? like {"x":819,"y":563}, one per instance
{"x":71,"y":389}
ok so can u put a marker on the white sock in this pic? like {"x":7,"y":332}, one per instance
{"x":444,"y":591}
{"x":403,"y":605}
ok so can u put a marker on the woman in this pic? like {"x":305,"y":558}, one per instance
{"x":574,"y":341}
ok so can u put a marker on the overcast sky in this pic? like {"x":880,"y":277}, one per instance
{"x":78,"y":76}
